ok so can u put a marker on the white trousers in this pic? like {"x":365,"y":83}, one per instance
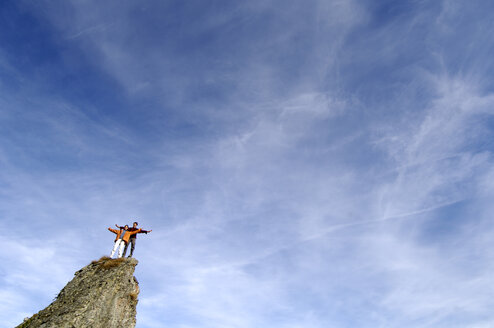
{"x":119,"y":243}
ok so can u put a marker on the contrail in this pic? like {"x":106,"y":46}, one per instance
{"x":337,"y":227}
{"x":386,"y":218}
{"x":89,"y":29}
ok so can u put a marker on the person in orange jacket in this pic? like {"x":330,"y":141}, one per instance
{"x":132,"y":238}
{"x":118,"y":240}
{"x":123,"y":236}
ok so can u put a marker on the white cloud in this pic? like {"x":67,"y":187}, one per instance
{"x":292,"y":210}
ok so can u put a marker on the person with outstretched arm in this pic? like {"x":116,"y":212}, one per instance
{"x":133,"y":238}
{"x":118,"y":240}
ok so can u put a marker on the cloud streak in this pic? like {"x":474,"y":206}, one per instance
{"x":315,"y":165}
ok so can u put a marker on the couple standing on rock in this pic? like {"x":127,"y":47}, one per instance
{"x":124,"y":235}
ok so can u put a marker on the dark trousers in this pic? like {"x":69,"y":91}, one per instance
{"x":132,"y":242}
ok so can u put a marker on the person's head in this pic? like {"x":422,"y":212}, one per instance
{"x":126,"y":227}
{"x":135,"y":224}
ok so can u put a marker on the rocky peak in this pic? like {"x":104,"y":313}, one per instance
{"x":102,"y":294}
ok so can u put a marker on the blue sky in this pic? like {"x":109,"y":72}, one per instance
{"x":301,"y":163}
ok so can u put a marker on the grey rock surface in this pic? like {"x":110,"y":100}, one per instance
{"x":102,"y":294}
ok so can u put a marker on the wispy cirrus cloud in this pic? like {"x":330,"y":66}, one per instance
{"x":317,"y":164}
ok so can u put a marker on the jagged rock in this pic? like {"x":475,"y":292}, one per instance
{"x":102,"y":294}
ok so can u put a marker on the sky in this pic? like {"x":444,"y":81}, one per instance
{"x":319,"y":163}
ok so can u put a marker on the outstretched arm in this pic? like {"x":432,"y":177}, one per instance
{"x":145,"y":231}
{"x":134,"y":232}
{"x":113,"y":230}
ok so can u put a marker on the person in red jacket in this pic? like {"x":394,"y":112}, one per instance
{"x":134,"y":230}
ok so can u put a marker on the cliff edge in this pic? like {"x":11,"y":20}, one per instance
{"x":102,"y":294}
